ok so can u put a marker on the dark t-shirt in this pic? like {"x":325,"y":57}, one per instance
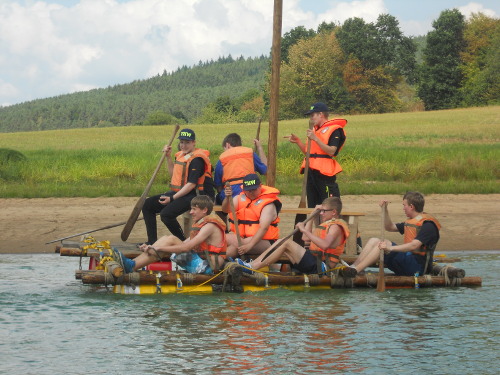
{"x":196,"y":170}
{"x":428,"y":234}
{"x":337,"y":139}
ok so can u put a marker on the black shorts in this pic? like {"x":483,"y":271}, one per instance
{"x":308,"y":263}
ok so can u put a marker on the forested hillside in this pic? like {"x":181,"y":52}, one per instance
{"x":357,"y":67}
{"x":182,"y":94}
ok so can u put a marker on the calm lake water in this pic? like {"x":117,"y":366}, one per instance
{"x":52,"y":324}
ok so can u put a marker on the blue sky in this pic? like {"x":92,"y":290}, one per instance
{"x":54,"y":47}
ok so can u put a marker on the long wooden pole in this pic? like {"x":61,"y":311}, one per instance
{"x":89,"y":231}
{"x":274,"y":96}
{"x":138,"y":206}
{"x":381,"y":272}
{"x":282,"y":240}
{"x":303,"y":201}
{"x":235,"y":218}
{"x":258,"y":134}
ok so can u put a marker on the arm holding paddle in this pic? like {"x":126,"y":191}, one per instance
{"x":140,"y":203}
{"x":233,"y":212}
{"x":261,"y":153}
{"x":332,"y":239}
{"x":167,"y":149}
{"x":271,"y":255}
{"x":330,"y":150}
{"x":226,"y":203}
{"x":258,"y":145}
{"x":188,"y":187}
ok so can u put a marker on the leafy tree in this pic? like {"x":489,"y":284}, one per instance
{"x":380,"y":44}
{"x":359,"y":40}
{"x":291,"y":38}
{"x":160,"y":118}
{"x":223,"y":104}
{"x":441,"y":77}
{"x":314,"y":73}
{"x":478,"y":60}
{"x":373,"y":90}
{"x":325,"y":27}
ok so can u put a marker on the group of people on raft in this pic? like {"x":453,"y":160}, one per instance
{"x":255,"y":208}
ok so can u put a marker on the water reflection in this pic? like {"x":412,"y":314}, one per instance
{"x":45,"y":318}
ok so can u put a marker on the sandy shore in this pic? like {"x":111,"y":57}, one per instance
{"x":470,"y":222}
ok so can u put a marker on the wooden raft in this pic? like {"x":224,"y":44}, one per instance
{"x":275,"y":279}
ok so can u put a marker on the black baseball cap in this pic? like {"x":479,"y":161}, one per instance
{"x":187,"y":134}
{"x":251,"y":182}
{"x":317,"y":107}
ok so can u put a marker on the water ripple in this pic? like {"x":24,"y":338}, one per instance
{"x":49,"y":322}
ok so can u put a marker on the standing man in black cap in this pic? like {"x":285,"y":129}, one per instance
{"x":188,"y":173}
{"x":327,"y":138}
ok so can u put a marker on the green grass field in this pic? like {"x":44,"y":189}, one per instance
{"x":452,"y":151}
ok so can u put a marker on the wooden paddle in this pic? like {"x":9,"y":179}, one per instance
{"x":235,"y":218}
{"x":138,"y":206}
{"x":90,"y":231}
{"x":284,"y":239}
{"x":302,"y":204}
{"x":258,"y":134}
{"x":381,"y":271}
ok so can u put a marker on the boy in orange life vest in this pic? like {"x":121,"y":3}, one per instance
{"x":235,"y":163}
{"x":257,"y":209}
{"x":208,"y":238}
{"x":188,"y":175}
{"x":421,"y":234}
{"x":327,"y":138}
{"x":327,"y":242}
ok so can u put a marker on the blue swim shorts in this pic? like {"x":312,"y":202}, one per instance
{"x":403,"y":264}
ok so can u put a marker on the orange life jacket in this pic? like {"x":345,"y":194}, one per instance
{"x":413,"y":226}
{"x":237,"y":163}
{"x":321,"y":231}
{"x":181,"y":169}
{"x":219,"y":249}
{"x":320,"y":160}
{"x":248,"y":213}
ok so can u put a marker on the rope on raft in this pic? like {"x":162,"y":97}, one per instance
{"x":454,"y":281}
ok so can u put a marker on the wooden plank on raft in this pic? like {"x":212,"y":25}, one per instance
{"x":363,"y":281}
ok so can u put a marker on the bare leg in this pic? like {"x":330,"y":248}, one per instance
{"x":291,"y":249}
{"x":149,"y":256}
{"x":232,"y":246}
{"x":369,"y":255}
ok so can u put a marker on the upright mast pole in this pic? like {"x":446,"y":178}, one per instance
{"x":272,"y":146}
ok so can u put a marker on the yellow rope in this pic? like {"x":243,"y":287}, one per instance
{"x":257,"y":271}
{"x":203,"y":283}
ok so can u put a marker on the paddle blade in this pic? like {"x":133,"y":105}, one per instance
{"x":381,"y":273}
{"x":129,"y":225}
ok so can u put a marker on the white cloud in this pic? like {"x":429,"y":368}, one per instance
{"x":470,"y":8}
{"x":51,"y":47}
{"x":369,"y":10}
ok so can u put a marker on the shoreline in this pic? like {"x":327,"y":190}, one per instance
{"x":469,"y":220}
